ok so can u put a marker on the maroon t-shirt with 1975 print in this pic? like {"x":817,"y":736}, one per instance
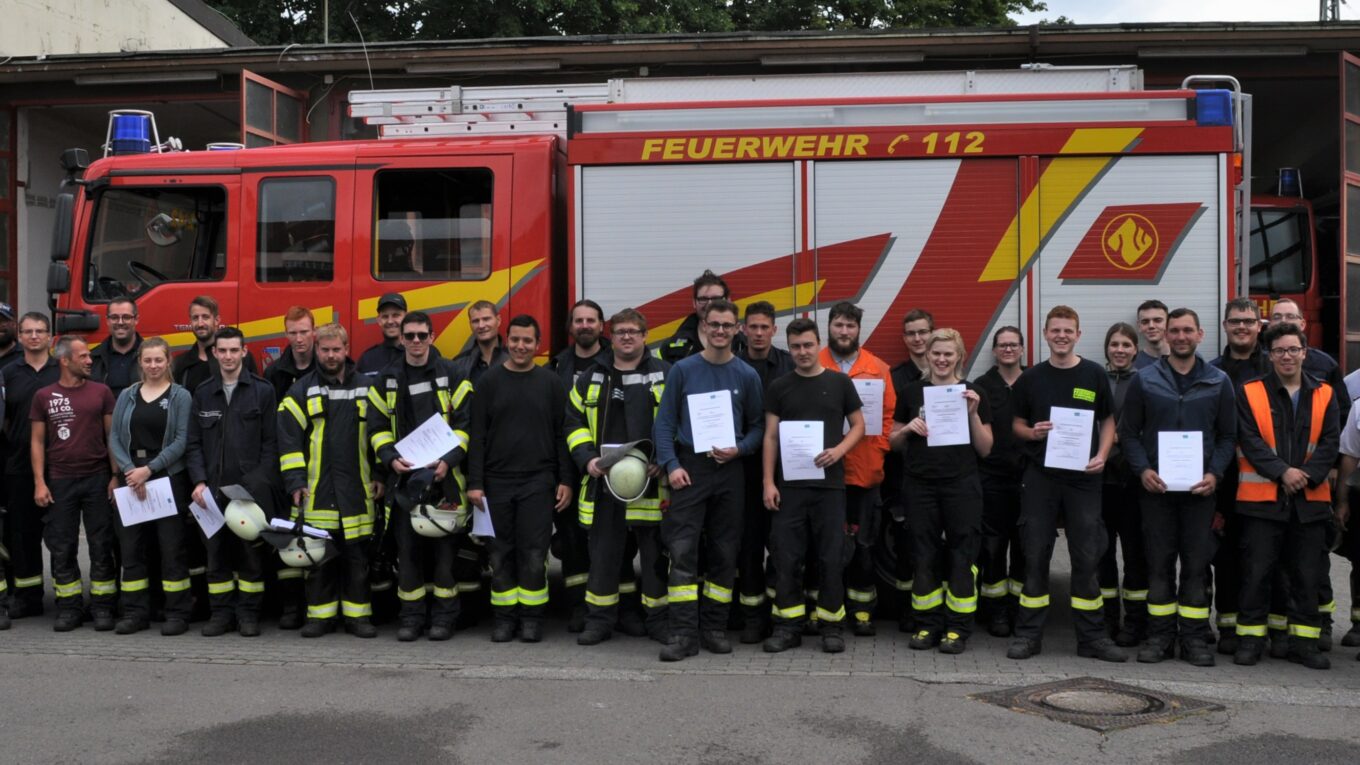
{"x":76,"y":444}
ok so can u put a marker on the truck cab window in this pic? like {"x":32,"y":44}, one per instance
{"x":432,"y":225}
{"x":146,"y":236}
{"x":296,"y":241}
{"x":1280,"y":260}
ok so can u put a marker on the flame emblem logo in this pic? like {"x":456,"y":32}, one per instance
{"x":1130,"y":242}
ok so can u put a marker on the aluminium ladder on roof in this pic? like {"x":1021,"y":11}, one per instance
{"x":455,"y":110}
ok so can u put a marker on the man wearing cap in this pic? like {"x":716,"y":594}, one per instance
{"x":391,"y":309}
{"x":296,"y":360}
{"x":406,"y":394}
{"x":115,"y":360}
{"x":233,"y":441}
{"x":610,"y":412}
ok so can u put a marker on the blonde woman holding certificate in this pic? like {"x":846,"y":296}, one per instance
{"x":945,"y":430}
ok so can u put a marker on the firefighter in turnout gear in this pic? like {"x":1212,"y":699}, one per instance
{"x":614,"y":403}
{"x":233,"y":440}
{"x":327,"y":470}
{"x":407,"y":393}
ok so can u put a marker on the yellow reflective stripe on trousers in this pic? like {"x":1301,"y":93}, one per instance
{"x":793,"y":612}
{"x":1303,"y":631}
{"x":627,"y":588}
{"x":1015,"y":587}
{"x":134,"y":585}
{"x":221,"y":588}
{"x":603,"y":601}
{"x":1227,"y":620}
{"x":861,"y":596}
{"x":660,"y":602}
{"x":1277,"y":622}
{"x":103,"y":587}
{"x":505,"y":598}
{"x":412,"y":596}
{"x":353,"y":610}
{"x":682,"y":593}
{"x":246,"y":585}
{"x":927,"y":601}
{"x":324,"y":610}
{"x":1033,"y":601}
{"x":446,"y":593}
{"x":290,"y":573}
{"x":576,"y":580}
{"x":1192,"y":612}
{"x":960,"y":605}
{"x":1109,"y":593}
{"x":1087,"y":604}
{"x":831,"y":616}
{"x":903,"y":585}
{"x":533,"y":597}
{"x":180,"y":585}
{"x":1251,"y":630}
{"x":753,"y":600}
{"x":1135,"y":595}
{"x":717,"y":592}
{"x":68,"y":590}
{"x":1161,"y":609}
{"x":994,"y":589}
{"x":29,"y":581}
{"x":1328,"y":608}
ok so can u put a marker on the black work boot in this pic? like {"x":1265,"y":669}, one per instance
{"x":715,"y":641}
{"x":410,"y":630}
{"x":1306,"y":651}
{"x":1196,"y":652}
{"x":1156,"y":650}
{"x":1249,"y":650}
{"x":679,"y":648}
{"x":781,"y":640}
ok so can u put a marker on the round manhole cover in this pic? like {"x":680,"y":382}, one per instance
{"x":1097,"y":702}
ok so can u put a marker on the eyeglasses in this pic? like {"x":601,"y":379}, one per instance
{"x":1291,"y":351}
{"x":724,"y":326}
{"x":916,"y":332}
{"x":1285,"y":317}
{"x":416,"y":336}
{"x":1008,"y":346}
{"x":120,"y":318}
{"x":707,"y":298}
{"x":627,"y":333}
{"x":1243,"y":322}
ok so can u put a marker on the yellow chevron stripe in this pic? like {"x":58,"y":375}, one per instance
{"x":1063,"y":183}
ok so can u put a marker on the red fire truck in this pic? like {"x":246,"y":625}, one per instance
{"x":984,"y":197}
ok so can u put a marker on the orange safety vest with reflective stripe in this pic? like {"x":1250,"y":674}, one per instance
{"x":1252,"y":486}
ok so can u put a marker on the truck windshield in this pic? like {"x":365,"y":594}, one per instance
{"x":1280,"y":257}
{"x":145,"y":236}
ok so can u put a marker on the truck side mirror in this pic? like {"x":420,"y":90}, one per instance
{"x":79,"y":322}
{"x":61,"y":229}
{"x":74,"y":161}
{"x":58,"y":278}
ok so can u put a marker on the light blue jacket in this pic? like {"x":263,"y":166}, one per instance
{"x":171,"y":458}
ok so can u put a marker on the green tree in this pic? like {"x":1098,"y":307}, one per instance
{"x":281,"y":22}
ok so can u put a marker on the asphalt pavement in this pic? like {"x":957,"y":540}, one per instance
{"x":98,"y":697}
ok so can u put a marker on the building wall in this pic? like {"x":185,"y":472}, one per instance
{"x":43,"y":134}
{"x":45,"y":27}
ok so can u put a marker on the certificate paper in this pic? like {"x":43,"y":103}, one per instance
{"x":800,"y":441}
{"x":429,"y":442}
{"x":159,"y":502}
{"x":945,"y":411}
{"x":481,"y":521}
{"x":1180,"y":458}
{"x":208,"y":515}
{"x":871,"y":396}
{"x":1069,"y":442}
{"x":710,"y":420}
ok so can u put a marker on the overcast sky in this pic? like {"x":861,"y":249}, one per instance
{"x":1119,"y":11}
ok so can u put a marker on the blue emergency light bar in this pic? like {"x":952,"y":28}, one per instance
{"x":131,"y":134}
{"x":1214,"y":107}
